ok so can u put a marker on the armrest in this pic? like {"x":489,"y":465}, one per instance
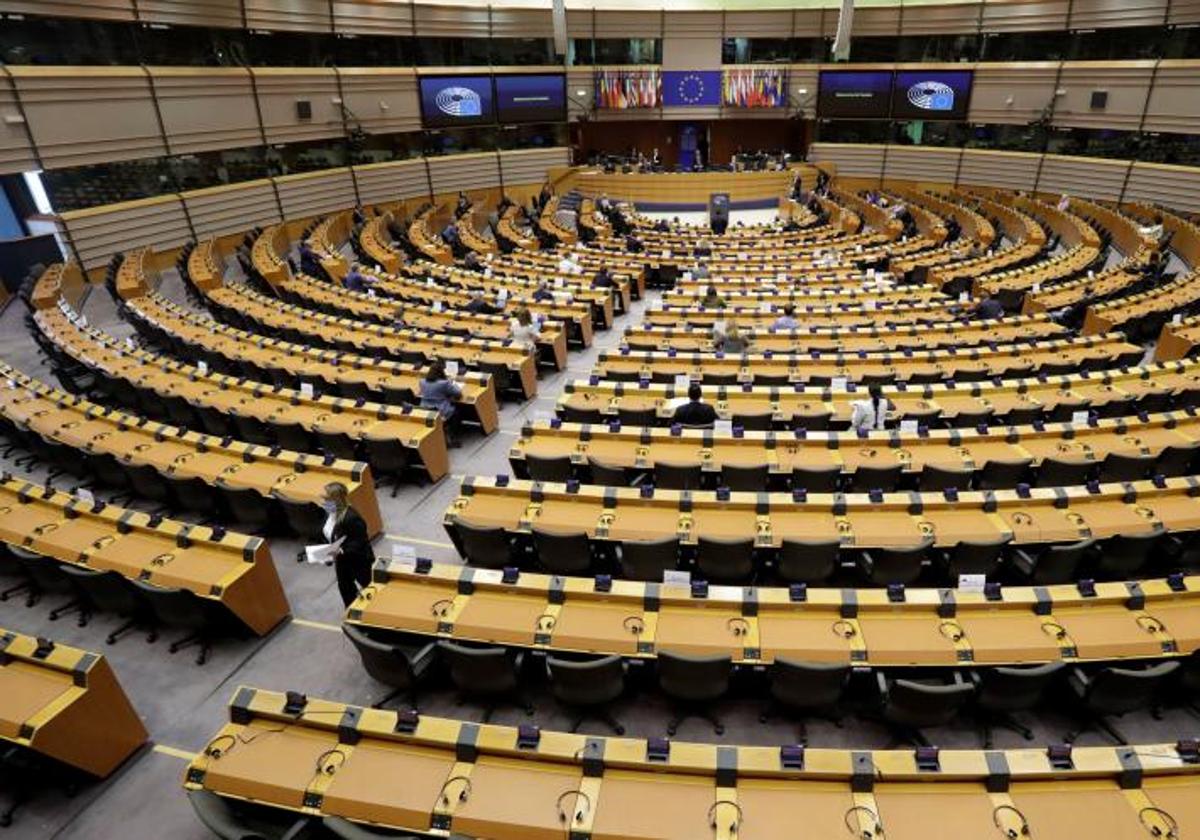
{"x":423,"y":658}
{"x":302,"y":829}
{"x":1079,"y":680}
{"x":1024,"y":561}
{"x":881,"y":684}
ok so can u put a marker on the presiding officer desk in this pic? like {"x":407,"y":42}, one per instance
{"x":756,"y":625}
{"x":382,"y":770}
{"x":788,"y":404}
{"x":65,"y":704}
{"x":231,"y":571}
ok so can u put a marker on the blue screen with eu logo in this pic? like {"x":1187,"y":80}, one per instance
{"x":931,"y":94}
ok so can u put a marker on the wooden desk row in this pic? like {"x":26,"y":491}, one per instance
{"x":522,"y":272}
{"x":1100,"y":285}
{"x":1178,"y":340}
{"x":74,"y":422}
{"x":269,"y":404}
{"x":478,"y":780}
{"x":309,"y":363}
{"x":868,"y":316}
{"x":757,"y":625}
{"x":493,"y":357}
{"x":949,"y":449}
{"x":65,"y":704}
{"x":231,"y":570}
{"x":1001,"y":360}
{"x":900,"y":519}
{"x":1032,"y":277}
{"x":874,"y":297}
{"x":1080,"y":391}
{"x":764,"y":336}
{"x":1180,"y":295}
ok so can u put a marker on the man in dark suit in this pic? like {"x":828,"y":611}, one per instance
{"x":695,"y":412}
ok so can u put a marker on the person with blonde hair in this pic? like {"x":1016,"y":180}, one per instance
{"x":524,"y":329}
{"x":346,"y":530}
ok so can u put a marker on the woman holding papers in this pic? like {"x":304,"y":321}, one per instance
{"x":351,"y":548}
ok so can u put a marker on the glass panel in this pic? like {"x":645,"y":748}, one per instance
{"x":515,"y":52}
{"x":452,"y":52}
{"x":1026,"y":46}
{"x":1015,"y":138}
{"x":456,"y":141}
{"x":853,"y":131}
{"x":627,"y":51}
{"x":37,"y":40}
{"x":938,"y":48}
{"x":106,"y":183}
{"x":534,"y":136}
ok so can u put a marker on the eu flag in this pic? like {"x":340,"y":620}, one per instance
{"x":691,"y":88}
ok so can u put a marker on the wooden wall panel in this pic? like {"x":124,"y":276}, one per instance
{"x":315,"y":193}
{"x":852,"y":160}
{"x":288,"y":15}
{"x":93,"y":9}
{"x":218,"y":211}
{"x":579,"y":23}
{"x":100,"y":232}
{"x":529,"y":166}
{"x":385,"y":183}
{"x":222,"y":13}
{"x":87,"y":115}
{"x":383,"y":100}
{"x":1174,"y":103}
{"x":1024,"y":15}
{"x":206,"y":109}
{"x":16,"y":152}
{"x":1127,"y":84}
{"x":1184,"y":12}
{"x":508,"y":22}
{"x":452,"y":173}
{"x":581,"y":92}
{"x":1030,"y":88}
{"x":1096,"y":14}
{"x":921,"y":163}
{"x":677,"y":24}
{"x":450,"y":21}
{"x":280,"y":88}
{"x":370,"y":17}
{"x":1096,"y":178}
{"x":941,"y":19}
{"x":1012,"y":170}
{"x":869,"y":21}
{"x":621,"y":24}
{"x":1177,"y":187}
{"x":775,"y":23}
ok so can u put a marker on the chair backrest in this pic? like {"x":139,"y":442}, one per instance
{"x":677,"y":476}
{"x":1124,"y":555}
{"x":938,"y":478}
{"x":897,"y":565}
{"x":821,"y":480}
{"x":813,"y":422}
{"x":612,"y":475}
{"x":807,"y":562}
{"x":1115,"y":691}
{"x":693,"y":678}
{"x":387,"y":454}
{"x":725,"y":560}
{"x":648,"y":559}
{"x":174,"y":607}
{"x":807,"y":685}
{"x":914,"y":703}
{"x":305,"y":518}
{"x":582,"y":415}
{"x":293,"y":437}
{"x":977,"y":558}
{"x":485,"y":546}
{"x":563,"y":553}
{"x":105,"y":590}
{"x":760,"y":422}
{"x":247,"y":506}
{"x":1177,"y":460}
{"x":1058,"y":563}
{"x":1120,"y":467}
{"x":386,"y":663}
{"x":870,"y":477}
{"x":998,"y":475}
{"x":637,"y":416}
{"x":487,"y":670}
{"x":549,"y":469}
{"x":1056,"y":473}
{"x":591,"y":682}
{"x":745,"y":478}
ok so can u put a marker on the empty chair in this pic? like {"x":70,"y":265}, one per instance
{"x":802,"y":561}
{"x":1064,"y":412}
{"x":612,"y":475}
{"x":818,"y":480}
{"x":182,"y":610}
{"x":47,"y":577}
{"x":571,"y":414}
{"x":148,"y":483}
{"x":563,"y":553}
{"x":969,"y":419}
{"x":938,"y":478}
{"x":1114,"y":691}
{"x":908,"y":706}
{"x":1055,"y":473}
{"x":483,"y":545}
{"x":356,"y":391}
{"x":810,"y":688}
{"x":337,"y":444}
{"x":588,"y":685}
{"x":637,"y":416}
{"x":549,"y":469}
{"x":250,"y":509}
{"x":725,"y":560}
{"x":215,"y":422}
{"x":1119,"y":467}
{"x":1154,"y":402}
{"x":870,"y":477}
{"x":762,"y":421}
{"x":672,"y":476}
{"x":1024,"y":415}
{"x":1003,"y":475}
{"x":741,"y":478}
{"x":1053,"y":563}
{"x":253,"y":430}
{"x":305,"y":518}
{"x":646,"y":560}
{"x":973,"y":558}
{"x":819,"y":422}
{"x":1122,"y":557}
{"x":194,"y":495}
{"x":396,"y":666}
{"x":109,"y":591}
{"x":491,"y":674}
{"x":1003,"y":690}
{"x":711,"y":378}
{"x":219,"y":816}
{"x":882,"y":566}
{"x":693,"y":683}
{"x":389,"y":458}
{"x":1176,"y":460}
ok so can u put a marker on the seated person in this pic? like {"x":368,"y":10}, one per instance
{"x":787,"y":320}
{"x":1154,"y":230}
{"x":869,"y":414}
{"x":695,"y":412}
{"x":356,"y":281}
{"x":735,"y":341}
{"x":471,"y":262}
{"x":478,"y":305}
{"x":603,"y":279}
{"x":310,"y":263}
{"x":542,"y":292}
{"x":712,"y":300}
{"x":524,"y":329}
{"x":567,"y":265}
{"x":661,"y":226}
{"x":703,"y":248}
{"x":988,"y":308}
{"x":701,"y":270}
{"x":439,"y":393}
{"x":633,"y":245}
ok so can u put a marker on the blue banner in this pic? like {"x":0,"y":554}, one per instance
{"x":691,"y":88}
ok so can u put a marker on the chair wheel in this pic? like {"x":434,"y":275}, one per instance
{"x":670,"y":730}
{"x":620,"y":730}
{"x":762,"y":718}
{"x":719,"y":729}
{"x":1028,"y":736}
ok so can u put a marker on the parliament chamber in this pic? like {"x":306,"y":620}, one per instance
{"x":621,"y":420}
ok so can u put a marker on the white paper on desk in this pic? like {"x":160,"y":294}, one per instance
{"x":558,"y":282}
{"x":971,"y":583}
{"x":438,"y":306}
{"x":321,"y":554}
{"x":723,"y":427}
{"x":687,"y":275}
{"x":452,"y":368}
{"x":675,"y":402}
{"x":83,"y":321}
{"x":765,"y":307}
{"x":487,"y":272}
{"x":677,"y":577}
{"x":666,"y":252}
{"x":838,"y":383}
{"x":562,"y":297}
{"x":306,"y":390}
{"x":371,"y":294}
{"x":682,"y":382}
{"x":202,"y":367}
{"x":85,"y":495}
{"x":963,"y":297}
{"x":908,"y":427}
{"x":502,"y":297}
{"x":1177,"y":318}
{"x":129,"y":345}
{"x":1079,"y":418}
{"x":656,"y":305}
{"x":1037,"y":287}
{"x":781,"y":277}
{"x":870,"y":274}
{"x":404,"y":557}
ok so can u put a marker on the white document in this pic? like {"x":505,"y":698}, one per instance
{"x":306,"y":390}
{"x":682,"y":381}
{"x":971,"y":583}
{"x":1079,"y":418}
{"x":908,"y":427}
{"x":723,"y":427}
{"x":677,"y":577}
{"x":202,"y":366}
{"x":452,"y":368}
{"x":325,"y":553}
{"x":838,"y":383}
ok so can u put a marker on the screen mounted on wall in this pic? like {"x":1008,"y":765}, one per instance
{"x":453,"y":101}
{"x":531,"y":98}
{"x":854,"y":94}
{"x":931,"y":94}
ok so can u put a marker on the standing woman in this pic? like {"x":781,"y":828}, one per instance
{"x":354,"y":557}
{"x":870,"y":414}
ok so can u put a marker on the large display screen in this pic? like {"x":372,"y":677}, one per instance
{"x":854,"y":94}
{"x":453,"y":101}
{"x":931,"y":94}
{"x":532,"y":98}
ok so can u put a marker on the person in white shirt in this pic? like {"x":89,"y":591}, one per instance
{"x":787,"y":320}
{"x":524,"y":329}
{"x":1064,"y":202}
{"x":1153,"y":231}
{"x":567,"y":265}
{"x":869,"y":414}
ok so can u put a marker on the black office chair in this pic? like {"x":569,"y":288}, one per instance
{"x":938,"y":478}
{"x":671,"y":476}
{"x":908,"y":706}
{"x":194,"y":495}
{"x":219,"y":816}
{"x":46,"y":577}
{"x":1003,"y":690}
{"x":973,"y":558}
{"x":1176,"y":461}
{"x":1064,"y":412}
{"x":818,"y":480}
{"x":969,"y":419}
{"x":339,"y":445}
{"x":725,"y":560}
{"x":563,"y":553}
{"x":108,"y":473}
{"x":396,"y":666}
{"x":819,"y":422}
{"x":1056,"y":473}
{"x":582,"y":415}
{"x":1119,"y":467}
{"x":215,"y":422}
{"x":389,"y":458}
{"x":492,"y":674}
{"x":253,"y":430}
{"x":1051,"y":564}
{"x":305,"y":518}
{"x":611,"y":475}
{"x":557,"y":469}
{"x":637,"y":417}
{"x":1123,"y":557}
{"x":181,"y":413}
{"x":646,"y":560}
{"x":870,"y":477}
{"x":804,"y":561}
{"x":750,"y":479}
{"x":356,"y":391}
{"x":693,"y":683}
{"x":899,"y":564}
{"x":1113,"y":692}
{"x":762,"y":421}
{"x":1024,"y":415}
{"x":484,"y":545}
{"x":589,"y":685}
{"x":148,"y":483}
{"x":182,"y":610}
{"x":1003,"y":475}
{"x":811,"y":688}
{"x":293,"y":437}
{"x":249,"y":508}
{"x":109,"y":591}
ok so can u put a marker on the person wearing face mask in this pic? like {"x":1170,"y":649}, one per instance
{"x":345,"y":528}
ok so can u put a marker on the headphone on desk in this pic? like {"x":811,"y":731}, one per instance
{"x":1011,"y":833}
{"x":579,"y":815}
